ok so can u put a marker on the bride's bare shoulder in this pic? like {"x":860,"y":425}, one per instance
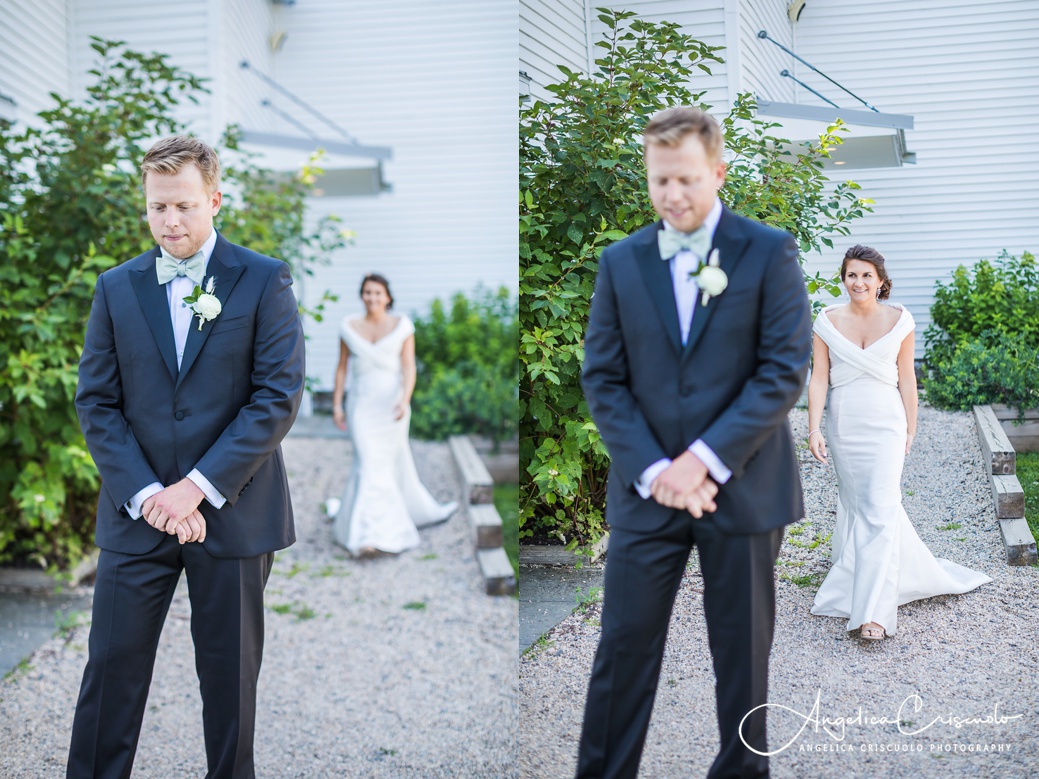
{"x":835,"y":313}
{"x":891,"y":314}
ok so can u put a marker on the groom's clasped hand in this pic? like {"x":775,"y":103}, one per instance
{"x":174,"y":510}
{"x":685,"y":484}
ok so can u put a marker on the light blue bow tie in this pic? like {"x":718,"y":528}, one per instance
{"x":671,"y":242}
{"x":168,"y":267}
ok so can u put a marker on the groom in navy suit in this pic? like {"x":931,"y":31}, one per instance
{"x":183,"y":405}
{"x":697,"y":347}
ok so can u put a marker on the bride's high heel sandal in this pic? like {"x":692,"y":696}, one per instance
{"x":872,"y":631}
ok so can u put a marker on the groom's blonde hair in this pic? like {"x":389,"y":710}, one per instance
{"x":673,"y":125}
{"x":170,"y":155}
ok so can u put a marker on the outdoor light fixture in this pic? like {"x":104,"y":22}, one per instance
{"x":794,"y":9}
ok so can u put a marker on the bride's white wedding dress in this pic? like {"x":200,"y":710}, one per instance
{"x":384,"y":500}
{"x":879,"y":562}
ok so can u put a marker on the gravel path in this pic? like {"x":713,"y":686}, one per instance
{"x":394,"y":667}
{"x":965,"y":656}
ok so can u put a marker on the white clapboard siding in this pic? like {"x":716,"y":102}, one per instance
{"x":552,"y":33}
{"x":969,"y":74}
{"x":436,"y":82}
{"x":33,"y":54}
{"x":760,"y":62}
{"x":705,"y":22}
{"x":188,"y":32}
{"x":245,"y":29}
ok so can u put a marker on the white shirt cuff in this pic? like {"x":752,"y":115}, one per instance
{"x":133,"y":506}
{"x":215,"y":499}
{"x":645,"y":481}
{"x":715,"y":466}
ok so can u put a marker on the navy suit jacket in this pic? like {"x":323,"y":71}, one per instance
{"x":224,"y":411}
{"x":733,"y":383}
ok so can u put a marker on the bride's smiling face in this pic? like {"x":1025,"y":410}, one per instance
{"x":861,"y":280}
{"x":375,"y":297}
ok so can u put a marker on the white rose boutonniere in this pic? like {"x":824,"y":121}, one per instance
{"x":710,"y":278}
{"x":204,"y":304}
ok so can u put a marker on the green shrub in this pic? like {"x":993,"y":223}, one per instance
{"x":582,"y":186}
{"x":70,"y":207}
{"x":985,"y":371}
{"x":467,"y":367}
{"x":984,"y":334}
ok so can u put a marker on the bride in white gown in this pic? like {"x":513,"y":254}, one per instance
{"x":384,"y":502}
{"x":863,"y":353}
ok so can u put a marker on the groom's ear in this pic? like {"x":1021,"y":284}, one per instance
{"x":215,"y":200}
{"x":720,"y":173}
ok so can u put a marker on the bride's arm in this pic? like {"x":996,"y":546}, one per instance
{"x":817,"y":387}
{"x":407,"y":366}
{"x":907,"y":385}
{"x":337,"y":393}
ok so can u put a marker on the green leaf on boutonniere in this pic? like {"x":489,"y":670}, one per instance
{"x":204,"y":305}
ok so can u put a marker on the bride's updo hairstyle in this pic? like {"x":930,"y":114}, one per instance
{"x":378,"y":279}
{"x":874,"y":258}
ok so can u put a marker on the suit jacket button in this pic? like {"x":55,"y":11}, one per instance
{"x":178,"y":415}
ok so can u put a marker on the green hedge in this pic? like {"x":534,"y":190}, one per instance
{"x":982,"y":345}
{"x":468,"y":367}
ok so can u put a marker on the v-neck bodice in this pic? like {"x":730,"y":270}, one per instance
{"x":878,"y":360}
{"x":381,"y":356}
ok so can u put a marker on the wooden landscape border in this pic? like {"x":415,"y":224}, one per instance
{"x":1007,"y":495}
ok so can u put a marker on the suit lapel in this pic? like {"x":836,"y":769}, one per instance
{"x":156,"y":307}
{"x":731,"y":244}
{"x":656,"y":273}
{"x":225,"y":269}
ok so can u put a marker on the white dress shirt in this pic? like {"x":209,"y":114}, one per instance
{"x":686,"y":294}
{"x":176,"y":290}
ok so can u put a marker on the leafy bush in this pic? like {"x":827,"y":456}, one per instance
{"x":993,"y":300}
{"x":985,"y":371}
{"x":582,"y":185}
{"x":70,"y":207}
{"x":467,"y":367}
{"x":984,"y":334}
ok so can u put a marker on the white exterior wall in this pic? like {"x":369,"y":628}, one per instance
{"x":188,"y":32}
{"x":552,"y":33}
{"x":705,"y":21}
{"x":760,"y":62}
{"x":244,"y":32}
{"x":436,"y":82}
{"x":222,"y":34}
{"x":970,"y":77}
{"x":34,"y":54}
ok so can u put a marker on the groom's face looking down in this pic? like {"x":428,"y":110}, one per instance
{"x":683,"y":174}
{"x":180,"y":210}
